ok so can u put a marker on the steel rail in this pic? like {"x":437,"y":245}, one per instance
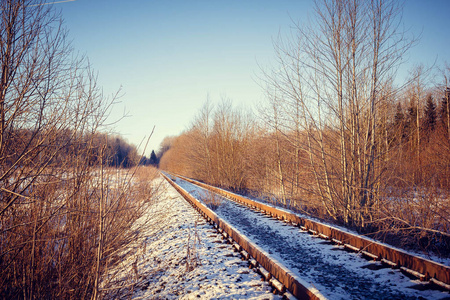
{"x":424,"y":269}
{"x":256,"y":256}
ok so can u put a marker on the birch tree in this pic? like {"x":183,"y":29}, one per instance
{"x":330,"y":77}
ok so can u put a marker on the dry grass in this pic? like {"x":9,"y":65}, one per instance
{"x":72,"y":230}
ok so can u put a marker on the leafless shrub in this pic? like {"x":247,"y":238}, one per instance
{"x":127,"y":222}
{"x":211,"y":199}
{"x":415,"y":219}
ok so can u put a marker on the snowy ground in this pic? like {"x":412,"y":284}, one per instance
{"x":337,"y":274}
{"x":183,"y":257}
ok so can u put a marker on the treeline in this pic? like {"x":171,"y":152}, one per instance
{"x":335,"y":137}
{"x":420,"y":134}
{"x":119,"y":153}
{"x":114,"y":150}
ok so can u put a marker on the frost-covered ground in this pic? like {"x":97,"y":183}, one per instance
{"x":183,"y":257}
{"x":430,"y":256}
{"x":337,"y":274}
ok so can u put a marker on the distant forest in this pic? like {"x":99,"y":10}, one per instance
{"x":116,"y":151}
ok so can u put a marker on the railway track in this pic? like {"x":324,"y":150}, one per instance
{"x":287,"y":255}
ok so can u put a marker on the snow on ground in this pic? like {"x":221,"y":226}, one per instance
{"x":185,"y":258}
{"x":337,"y":274}
{"x":429,"y":256}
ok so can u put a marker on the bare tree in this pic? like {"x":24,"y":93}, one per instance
{"x":331,"y":77}
{"x":202,"y":127}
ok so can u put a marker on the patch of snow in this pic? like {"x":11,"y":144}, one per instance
{"x":185,"y":258}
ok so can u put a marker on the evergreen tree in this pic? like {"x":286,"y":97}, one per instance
{"x":153,"y":159}
{"x":430,"y":115}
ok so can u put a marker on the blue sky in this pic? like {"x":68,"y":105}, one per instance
{"x":167,"y":56}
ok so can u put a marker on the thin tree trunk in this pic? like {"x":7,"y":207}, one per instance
{"x":96,"y":295}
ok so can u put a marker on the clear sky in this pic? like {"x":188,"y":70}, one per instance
{"x":167,"y":56}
